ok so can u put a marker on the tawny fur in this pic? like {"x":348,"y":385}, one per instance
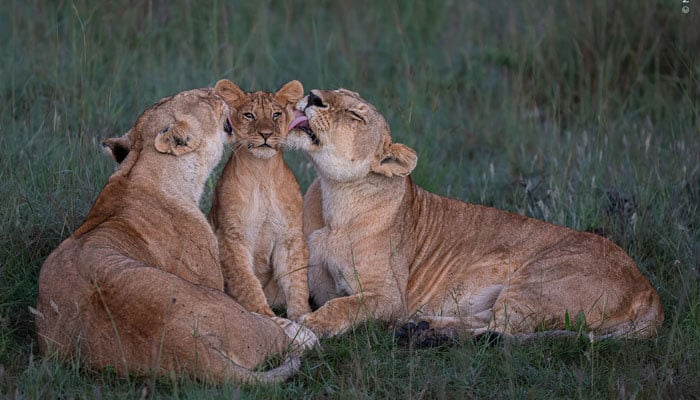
{"x":381,"y":247}
{"x":257,"y":206}
{"x":138,"y":285}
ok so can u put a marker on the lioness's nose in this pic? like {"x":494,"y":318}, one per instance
{"x":314,"y":100}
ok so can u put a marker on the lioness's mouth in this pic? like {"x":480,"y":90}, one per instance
{"x":301,"y":122}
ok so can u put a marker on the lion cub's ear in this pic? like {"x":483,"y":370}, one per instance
{"x":291,"y":92}
{"x":117,"y":147}
{"x":177,"y":139}
{"x":229,"y":91}
{"x":396,"y":160}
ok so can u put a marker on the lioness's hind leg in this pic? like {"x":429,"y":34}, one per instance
{"x":582,"y":283}
{"x":181,"y":326}
{"x":529,"y":303}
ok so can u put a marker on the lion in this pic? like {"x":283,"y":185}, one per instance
{"x":138,"y":287}
{"x":257,"y":205}
{"x":381,"y":247}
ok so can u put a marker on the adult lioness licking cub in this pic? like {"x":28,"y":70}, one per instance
{"x":138,"y":285}
{"x":256,"y":211}
{"x":382,"y":247}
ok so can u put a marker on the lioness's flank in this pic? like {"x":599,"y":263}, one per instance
{"x":138,"y":285}
{"x":382,"y":247}
{"x":257,"y":205}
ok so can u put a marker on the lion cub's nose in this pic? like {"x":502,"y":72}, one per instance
{"x":265,"y":134}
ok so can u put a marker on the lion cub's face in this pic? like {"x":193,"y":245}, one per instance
{"x":346,"y":137}
{"x":260,"y":119}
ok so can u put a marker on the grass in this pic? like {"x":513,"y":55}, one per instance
{"x":584,"y":114}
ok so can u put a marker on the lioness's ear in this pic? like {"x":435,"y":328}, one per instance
{"x":291,"y":92}
{"x":117,"y":147}
{"x":396,"y":160}
{"x":177,"y":139}
{"x":229,"y":91}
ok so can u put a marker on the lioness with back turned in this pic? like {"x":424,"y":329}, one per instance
{"x":138,"y":285}
{"x":257,"y":205}
{"x":381,"y":247}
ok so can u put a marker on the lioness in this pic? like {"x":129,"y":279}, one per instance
{"x":382,"y":247}
{"x":257,"y":205}
{"x":138,"y":285}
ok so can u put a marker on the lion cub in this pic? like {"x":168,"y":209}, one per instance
{"x":257,"y":206}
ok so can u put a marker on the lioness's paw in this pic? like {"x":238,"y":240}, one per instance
{"x":298,"y":315}
{"x":302,"y":337}
{"x":318,"y":327}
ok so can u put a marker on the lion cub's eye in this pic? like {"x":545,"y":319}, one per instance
{"x":276,"y":115}
{"x":249,"y":116}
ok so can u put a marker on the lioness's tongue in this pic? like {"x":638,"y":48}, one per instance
{"x":299,"y":117}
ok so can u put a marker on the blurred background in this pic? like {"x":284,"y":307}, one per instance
{"x":582,"y":113}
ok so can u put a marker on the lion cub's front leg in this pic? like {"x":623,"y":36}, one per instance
{"x":289,"y":260}
{"x":240,"y":282}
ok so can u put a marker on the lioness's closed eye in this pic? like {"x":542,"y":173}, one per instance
{"x":382,"y":247}
{"x":256,"y":211}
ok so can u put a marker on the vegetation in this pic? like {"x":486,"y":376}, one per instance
{"x":581,"y":113}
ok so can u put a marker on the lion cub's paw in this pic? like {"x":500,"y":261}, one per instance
{"x":302,"y":337}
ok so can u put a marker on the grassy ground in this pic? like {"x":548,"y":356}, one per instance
{"x":584,"y":114}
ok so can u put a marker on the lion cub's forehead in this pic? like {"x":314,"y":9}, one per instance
{"x":260,"y":101}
